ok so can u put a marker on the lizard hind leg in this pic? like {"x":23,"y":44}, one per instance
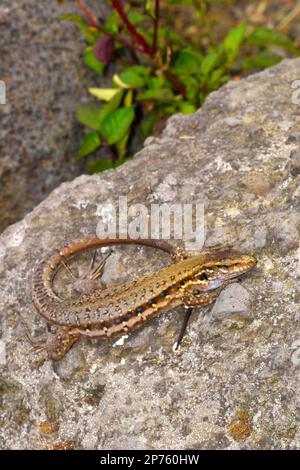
{"x":97,"y":272}
{"x":90,"y":280}
{"x":56,"y":345}
{"x":36,"y":343}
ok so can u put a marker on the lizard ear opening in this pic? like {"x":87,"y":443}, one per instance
{"x":202,"y":276}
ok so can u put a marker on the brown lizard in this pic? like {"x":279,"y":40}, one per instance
{"x":192,"y":281}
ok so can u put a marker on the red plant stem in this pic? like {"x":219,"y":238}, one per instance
{"x":155,"y":26}
{"x":123,"y":40}
{"x":139,"y":38}
{"x":91,"y":19}
{"x":177,"y":85}
{"x":150,"y":50}
{"x":93,"y":22}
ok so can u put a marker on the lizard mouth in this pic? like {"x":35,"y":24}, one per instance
{"x":233,"y":267}
{"x":217,"y":274}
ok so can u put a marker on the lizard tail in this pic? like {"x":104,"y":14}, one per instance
{"x":45,"y":299}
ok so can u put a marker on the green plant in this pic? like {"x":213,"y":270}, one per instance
{"x":161,"y":72}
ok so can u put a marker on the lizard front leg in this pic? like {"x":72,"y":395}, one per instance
{"x":191,"y":300}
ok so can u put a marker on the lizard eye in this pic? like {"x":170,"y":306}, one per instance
{"x":203,"y":277}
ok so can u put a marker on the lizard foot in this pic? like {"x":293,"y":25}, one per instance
{"x":90,"y":280}
{"x":55,"y":345}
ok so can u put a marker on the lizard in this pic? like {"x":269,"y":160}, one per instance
{"x":191,"y":280}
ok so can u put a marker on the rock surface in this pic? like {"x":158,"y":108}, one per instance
{"x":41,"y":64}
{"x":235,"y":382}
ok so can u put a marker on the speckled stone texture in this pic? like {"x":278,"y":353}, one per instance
{"x":41,"y":64}
{"x":235,"y":382}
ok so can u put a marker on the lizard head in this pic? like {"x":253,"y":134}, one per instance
{"x":217,"y":269}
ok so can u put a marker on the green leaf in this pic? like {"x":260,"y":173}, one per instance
{"x":140,"y":70}
{"x":112,"y":24}
{"x":233,"y":42}
{"x":112,"y":104}
{"x":90,"y":61}
{"x":90,"y":115}
{"x":154,"y":83}
{"x":116,"y":125}
{"x":187,"y":108}
{"x":148,"y":123}
{"x":90,"y":34}
{"x":164,"y":95}
{"x":89,"y":144}
{"x":218,"y":77}
{"x":266,"y":37}
{"x":122,"y":146}
{"x":96,"y":166}
{"x":149,"y":8}
{"x":104,"y":94}
{"x":186,"y":62}
{"x":128,"y":99}
{"x":171,"y":37}
{"x":135,"y":17}
{"x":132,"y":78}
{"x":169,"y":109}
{"x":191,"y":87}
{"x":212,"y":60}
{"x":260,"y":61}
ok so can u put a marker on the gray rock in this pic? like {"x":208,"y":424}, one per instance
{"x":234,"y":299}
{"x":41,"y":63}
{"x":293,"y":137}
{"x":260,"y":237}
{"x":235,"y":382}
{"x":69,"y":364}
{"x":295,"y":162}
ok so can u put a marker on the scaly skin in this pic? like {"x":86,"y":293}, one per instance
{"x":191,"y":281}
